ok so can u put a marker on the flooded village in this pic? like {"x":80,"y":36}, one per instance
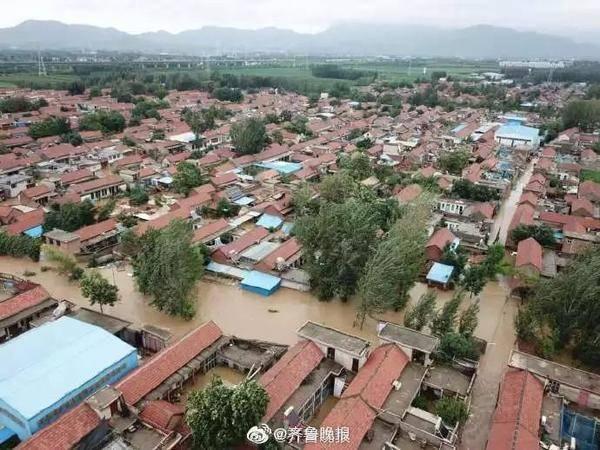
{"x":362,"y":259}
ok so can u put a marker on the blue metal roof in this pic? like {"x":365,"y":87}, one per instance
{"x":45,"y":364}
{"x":268,"y":221}
{"x":440,"y":273}
{"x":518,"y":132}
{"x":261,"y":280}
{"x":281,"y":166}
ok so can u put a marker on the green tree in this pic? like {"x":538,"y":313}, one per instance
{"x":225,"y":208}
{"x":474,"y":279}
{"x":187,"y":177}
{"x":445,"y":320}
{"x":167,"y":268}
{"x":455,"y":345}
{"x":565,"y":309}
{"x":584,"y":114}
{"x":543,"y":234}
{"x":138,"y":195}
{"x":220,"y":416}
{"x":454,"y":162}
{"x":337,"y":188}
{"x":249,"y":136}
{"x":394,"y":267}
{"x":106,"y":210}
{"x":358,"y":166}
{"x":97,"y":288}
{"x":77,"y":87}
{"x":19,"y":246}
{"x":105,"y":121}
{"x":455,"y":257}
{"x":468,"y":320}
{"x":52,"y":126}
{"x":337,"y":243}
{"x":451,"y":410}
{"x":69,"y":216}
{"x":417,"y":317}
{"x":67,"y":265}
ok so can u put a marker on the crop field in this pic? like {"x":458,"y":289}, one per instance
{"x":32,"y":80}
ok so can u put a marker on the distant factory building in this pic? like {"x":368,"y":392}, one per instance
{"x":51,"y":369}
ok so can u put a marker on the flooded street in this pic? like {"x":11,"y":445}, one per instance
{"x":242,"y":313}
{"x":508,"y":207}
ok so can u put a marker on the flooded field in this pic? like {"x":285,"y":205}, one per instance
{"x":244,"y":314}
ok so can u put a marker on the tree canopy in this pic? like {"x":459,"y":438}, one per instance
{"x":167,"y":266}
{"x":105,"y":121}
{"x":69,"y":216}
{"x":97,"y":288}
{"x":249,"y":136}
{"x":187,"y":177}
{"x":220,"y":416}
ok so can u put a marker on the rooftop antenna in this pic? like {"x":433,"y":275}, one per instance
{"x":41,"y":65}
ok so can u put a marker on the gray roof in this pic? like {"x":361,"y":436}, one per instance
{"x":333,"y":338}
{"x":111,"y":324}
{"x":406,"y":337}
{"x":554,"y":371}
{"x":60,"y":235}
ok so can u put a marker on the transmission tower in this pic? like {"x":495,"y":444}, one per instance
{"x":41,"y":65}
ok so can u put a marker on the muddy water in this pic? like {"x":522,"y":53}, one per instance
{"x":244,"y":314}
{"x":508,"y":207}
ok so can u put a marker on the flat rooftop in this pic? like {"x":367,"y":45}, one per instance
{"x":449,"y":379}
{"x":333,"y":338}
{"x":110,"y":323}
{"x":554,"y":371}
{"x":400,"y":400}
{"x":46,"y":364}
{"x":406,"y":337}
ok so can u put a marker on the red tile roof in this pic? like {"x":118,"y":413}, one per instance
{"x":515,"y":425}
{"x":162,"y":414}
{"x":237,"y":246}
{"x":208,"y":230}
{"x":94,"y":185}
{"x":353,"y":413}
{"x":66,"y":432}
{"x":409,"y":193}
{"x":590,"y":190}
{"x":441,"y":238}
{"x":26,"y":222}
{"x":37,"y":191}
{"x":193,"y":201}
{"x":284,"y":378}
{"x":163,"y":221}
{"x":285,"y":251}
{"x":97,"y":229}
{"x":523,"y":216}
{"x":529,"y":252}
{"x":582,"y":206}
{"x":373,"y":381}
{"x":148,"y":377}
{"x":77,"y":175}
{"x":23,"y":301}
{"x":223,"y":179}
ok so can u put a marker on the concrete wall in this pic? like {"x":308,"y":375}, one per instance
{"x":341,"y":357}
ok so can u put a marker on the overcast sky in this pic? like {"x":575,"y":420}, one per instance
{"x":307,"y":15}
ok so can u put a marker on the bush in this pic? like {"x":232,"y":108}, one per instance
{"x":455,"y":345}
{"x":451,"y":410}
{"x":19,"y":246}
{"x":53,"y":126}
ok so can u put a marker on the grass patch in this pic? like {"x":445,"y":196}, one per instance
{"x":591,"y":175}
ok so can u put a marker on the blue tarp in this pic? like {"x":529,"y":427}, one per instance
{"x":584,"y":429}
{"x":268,"y":221}
{"x":261,"y":283}
{"x":440,"y":273}
{"x":281,"y":166}
{"x":35,"y":232}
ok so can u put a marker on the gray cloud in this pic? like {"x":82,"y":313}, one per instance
{"x":309,"y":15}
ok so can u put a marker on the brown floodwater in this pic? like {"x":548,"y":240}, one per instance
{"x":509,"y":206}
{"x":242,"y":313}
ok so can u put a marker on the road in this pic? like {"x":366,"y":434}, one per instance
{"x":509,"y":206}
{"x":491,"y":369}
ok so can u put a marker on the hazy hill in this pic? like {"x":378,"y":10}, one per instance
{"x":482,"y":41}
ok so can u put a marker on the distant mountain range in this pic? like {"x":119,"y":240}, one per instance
{"x":481,"y":41}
